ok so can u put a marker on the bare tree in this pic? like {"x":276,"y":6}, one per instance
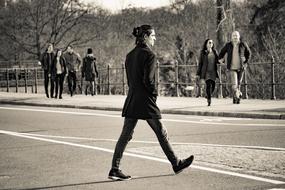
{"x":33,"y":24}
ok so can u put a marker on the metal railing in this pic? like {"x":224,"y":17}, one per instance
{"x":261,"y":80}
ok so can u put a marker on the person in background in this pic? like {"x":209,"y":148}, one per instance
{"x":73,"y":63}
{"x":207,"y":68}
{"x":141,"y":102}
{"x":46,"y":62}
{"x":89,"y":71}
{"x":238,"y":55}
{"x":59,"y":69}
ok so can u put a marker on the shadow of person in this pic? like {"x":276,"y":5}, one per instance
{"x":77,"y":185}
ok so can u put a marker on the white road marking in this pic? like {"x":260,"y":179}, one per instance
{"x":118,"y":116}
{"x":62,"y":112}
{"x":155,"y":142}
{"x":143,"y":157}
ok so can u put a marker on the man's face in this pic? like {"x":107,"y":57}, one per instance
{"x":150,"y":39}
{"x":50,"y":48}
{"x":69,"y":49}
{"x":235,"y":37}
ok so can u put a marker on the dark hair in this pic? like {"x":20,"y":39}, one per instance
{"x":140,"y":32}
{"x":89,"y":51}
{"x":205,"y":45}
{"x":57,"y":50}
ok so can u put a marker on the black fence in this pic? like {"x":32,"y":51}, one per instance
{"x":261,"y":80}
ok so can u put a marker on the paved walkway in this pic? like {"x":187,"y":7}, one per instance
{"x":252,"y":108}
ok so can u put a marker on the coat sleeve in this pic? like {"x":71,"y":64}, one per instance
{"x":199,"y":65}
{"x":247,"y":53}
{"x":42,"y":60}
{"x":149,"y":74}
{"x":95,"y":67}
{"x":83,"y":67}
{"x":223,"y":51}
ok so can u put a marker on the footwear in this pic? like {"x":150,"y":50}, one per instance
{"x":234,"y":100}
{"x":117,"y":175}
{"x":182,"y":164}
{"x":209,"y":102}
{"x":60,"y":97}
{"x":238,"y":101}
{"x":47,"y":95}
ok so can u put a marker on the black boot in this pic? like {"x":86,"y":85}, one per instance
{"x":209,"y":102}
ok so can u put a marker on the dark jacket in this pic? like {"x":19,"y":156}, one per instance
{"x":203,"y":64}
{"x":89,"y":69}
{"x":46,"y":61}
{"x":73,"y":61}
{"x":62,"y":64}
{"x":244,"y":51}
{"x":141,"y":100}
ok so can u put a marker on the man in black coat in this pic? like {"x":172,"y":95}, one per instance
{"x":141,"y":102}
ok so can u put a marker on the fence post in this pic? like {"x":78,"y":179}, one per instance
{"x":273,"y":95}
{"x":36,"y":80}
{"x":17,"y":80}
{"x":220,"y":94}
{"x":176,"y":78}
{"x":123,"y":78}
{"x":26,"y":90}
{"x":245,"y":84}
{"x":157,"y":78}
{"x":7,"y":77}
{"x":108,"y":79}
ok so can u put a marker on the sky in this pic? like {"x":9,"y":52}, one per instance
{"x":115,"y":5}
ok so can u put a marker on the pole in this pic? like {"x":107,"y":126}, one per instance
{"x":273,"y":84}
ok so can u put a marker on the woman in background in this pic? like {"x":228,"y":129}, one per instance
{"x":207,"y":67}
{"x":59,"y":70}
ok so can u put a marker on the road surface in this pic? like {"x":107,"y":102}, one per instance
{"x":57,"y":148}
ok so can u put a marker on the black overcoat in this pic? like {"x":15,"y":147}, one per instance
{"x":203,"y":64}
{"x":141,"y":99}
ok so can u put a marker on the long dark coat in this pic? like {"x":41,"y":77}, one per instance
{"x":141,"y":100}
{"x":203,"y":64}
{"x":46,"y":61}
{"x":89,"y":69}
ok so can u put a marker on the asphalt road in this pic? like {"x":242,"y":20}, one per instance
{"x":52,"y":148}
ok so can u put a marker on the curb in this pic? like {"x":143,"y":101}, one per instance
{"x":255,"y":115}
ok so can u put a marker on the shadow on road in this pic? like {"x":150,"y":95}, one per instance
{"x":93,"y":183}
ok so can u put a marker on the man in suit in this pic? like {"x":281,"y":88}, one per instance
{"x":141,"y":102}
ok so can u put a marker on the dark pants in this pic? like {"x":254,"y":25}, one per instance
{"x":71,"y":82}
{"x":48,"y":78}
{"x":91,"y":86}
{"x":210,"y":87}
{"x":126,"y":136}
{"x":59,"y":79}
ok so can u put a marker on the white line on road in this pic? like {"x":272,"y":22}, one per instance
{"x":118,"y":116}
{"x":142,"y":156}
{"x":155,"y":142}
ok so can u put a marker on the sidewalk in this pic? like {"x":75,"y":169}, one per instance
{"x":252,"y":108}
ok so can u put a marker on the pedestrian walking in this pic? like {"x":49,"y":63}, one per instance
{"x":89,"y":71}
{"x":59,"y":69}
{"x":73,"y":63}
{"x":46,"y":62}
{"x":141,"y":102}
{"x":238,"y":55}
{"x":207,"y":68}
